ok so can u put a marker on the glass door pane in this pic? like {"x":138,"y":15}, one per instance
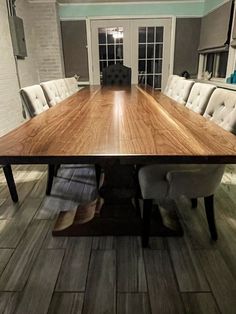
{"x":110,"y":41}
{"x":110,"y":45}
{"x":150,"y":47}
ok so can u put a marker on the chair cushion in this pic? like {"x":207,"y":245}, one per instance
{"x":51,"y":93}
{"x":171,"y":83}
{"x":62,"y":89}
{"x":34,"y":99}
{"x":181,"y":91}
{"x":72,"y":85}
{"x":222,"y":109}
{"x":199,"y":97}
{"x":163,"y":180}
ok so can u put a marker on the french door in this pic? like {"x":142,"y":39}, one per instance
{"x":142,"y":44}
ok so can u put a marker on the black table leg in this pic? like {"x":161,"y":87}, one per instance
{"x":10,"y":182}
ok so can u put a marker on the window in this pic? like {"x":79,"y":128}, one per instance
{"x":216,"y":64}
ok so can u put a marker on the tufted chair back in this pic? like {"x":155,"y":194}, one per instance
{"x":72,"y":85}
{"x":171,"y":83}
{"x":117,"y":74}
{"x":222,"y":109}
{"x":181,"y":91}
{"x":34,"y":99}
{"x":51,"y":93}
{"x":199,"y":97}
{"x":62,"y":89}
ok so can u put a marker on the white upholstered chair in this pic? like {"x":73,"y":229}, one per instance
{"x":72,"y":85}
{"x":222,"y":109}
{"x":171,"y":83}
{"x":36,"y":103}
{"x":199,"y":97}
{"x":62,"y":88}
{"x":169,"y":181}
{"x":34,"y":99}
{"x":180,"y":90}
{"x":51,"y":93}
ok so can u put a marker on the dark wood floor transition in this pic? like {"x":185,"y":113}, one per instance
{"x":41,"y":274}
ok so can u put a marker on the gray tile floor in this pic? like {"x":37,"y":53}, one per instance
{"x":42,"y":274}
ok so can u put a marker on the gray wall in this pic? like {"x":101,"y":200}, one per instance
{"x":74,"y":42}
{"x":186,"y":45}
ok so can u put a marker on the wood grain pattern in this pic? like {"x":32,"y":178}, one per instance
{"x":15,"y":228}
{"x":163,"y":291}
{"x":73,"y":273}
{"x":188,"y":270}
{"x":8,"y":302}
{"x":69,"y":303}
{"x":220,"y":279}
{"x":101,"y":298}
{"x":130,"y":265}
{"x":199,"y":303}
{"x":130,"y":303}
{"x":133,"y":124}
{"x":5,"y":255}
{"x":36,"y":297}
{"x":18,"y":269}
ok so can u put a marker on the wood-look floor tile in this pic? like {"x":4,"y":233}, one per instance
{"x":103,"y":243}
{"x":8,"y":302}
{"x":11,"y":234}
{"x":19,"y":266}
{"x":187,"y":266}
{"x":100,"y":295}
{"x":5,"y":255}
{"x":66,"y":303}
{"x":199,"y":303}
{"x":39,"y":288}
{"x":130,"y":303}
{"x":130,"y":265}
{"x":221,"y":281}
{"x":74,"y":269}
{"x":162,"y":288}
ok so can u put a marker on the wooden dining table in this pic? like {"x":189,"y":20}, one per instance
{"x":122,"y":125}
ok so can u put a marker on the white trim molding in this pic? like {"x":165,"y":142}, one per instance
{"x":127,"y":3}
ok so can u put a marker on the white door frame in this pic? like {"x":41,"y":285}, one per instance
{"x":172,"y":41}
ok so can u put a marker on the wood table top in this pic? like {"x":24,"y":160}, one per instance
{"x":133,"y":124}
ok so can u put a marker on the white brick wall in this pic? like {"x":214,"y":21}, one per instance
{"x":10,"y":103}
{"x":44,"y":60}
{"x":47,"y":32}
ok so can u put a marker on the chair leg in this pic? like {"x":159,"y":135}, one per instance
{"x":10,"y":182}
{"x":51,"y":172}
{"x":147,"y":210}
{"x":98,"y":171}
{"x":56,"y":169}
{"x":194,"y":202}
{"x":209,"y":208}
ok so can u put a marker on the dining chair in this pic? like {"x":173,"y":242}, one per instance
{"x":10,"y":182}
{"x":34,"y":99}
{"x":162,"y":181}
{"x":51,"y":93}
{"x":171,"y":83}
{"x":62,"y":89}
{"x":36,"y":103}
{"x":199,"y":97}
{"x":222,"y":109}
{"x":116,"y":74}
{"x":72,"y":85}
{"x":180,"y":90}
